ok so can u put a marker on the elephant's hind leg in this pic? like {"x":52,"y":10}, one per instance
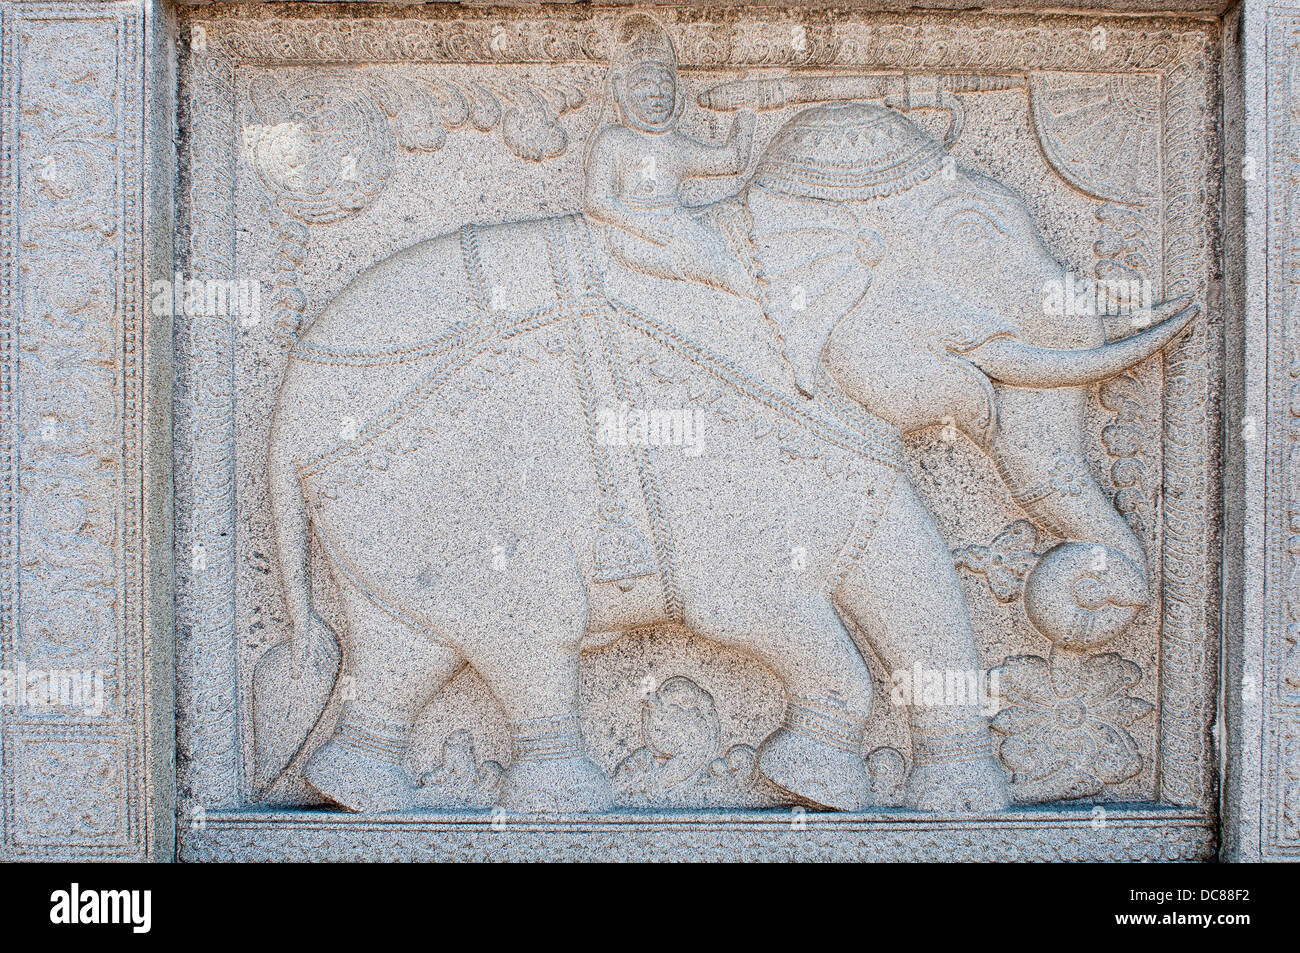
{"x":526,"y":647}
{"x":391,"y":673}
{"x":905,"y":596}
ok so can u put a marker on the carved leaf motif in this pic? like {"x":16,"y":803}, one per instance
{"x":69,"y":430}
{"x":321,"y":145}
{"x":1124,"y":249}
{"x":1125,"y":441}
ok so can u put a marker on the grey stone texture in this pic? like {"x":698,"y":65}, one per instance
{"x":666,"y":432}
{"x":87,"y":636}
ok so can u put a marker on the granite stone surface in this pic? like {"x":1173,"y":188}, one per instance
{"x":647,"y":432}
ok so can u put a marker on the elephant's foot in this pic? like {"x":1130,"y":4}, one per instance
{"x":816,"y":757}
{"x":550,"y":773}
{"x":957,"y":774}
{"x":360,"y":768}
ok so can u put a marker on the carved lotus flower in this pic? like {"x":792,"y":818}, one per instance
{"x":1064,"y":724}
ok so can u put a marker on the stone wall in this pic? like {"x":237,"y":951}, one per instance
{"x":509,"y":626}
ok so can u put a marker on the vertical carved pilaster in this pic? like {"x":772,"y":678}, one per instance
{"x":80,"y":594}
{"x":1262,"y":678}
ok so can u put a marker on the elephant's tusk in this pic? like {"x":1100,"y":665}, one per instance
{"x":1011,"y":361}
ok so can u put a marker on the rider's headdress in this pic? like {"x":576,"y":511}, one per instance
{"x":639,"y":41}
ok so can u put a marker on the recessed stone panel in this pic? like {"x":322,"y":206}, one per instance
{"x":589,"y":422}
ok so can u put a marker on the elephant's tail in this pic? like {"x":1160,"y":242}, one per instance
{"x":292,"y":532}
{"x":292,"y":682}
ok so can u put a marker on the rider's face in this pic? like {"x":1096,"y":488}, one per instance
{"x":652,"y":94}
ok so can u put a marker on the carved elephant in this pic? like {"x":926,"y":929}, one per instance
{"x":453,"y":431}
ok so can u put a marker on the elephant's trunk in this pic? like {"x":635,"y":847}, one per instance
{"x":1008,"y":360}
{"x":1088,"y":588}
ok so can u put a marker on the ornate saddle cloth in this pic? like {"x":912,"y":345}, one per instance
{"x":569,"y":296}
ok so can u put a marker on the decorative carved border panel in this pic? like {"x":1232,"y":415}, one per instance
{"x":74,"y":590}
{"x":1277,"y":689}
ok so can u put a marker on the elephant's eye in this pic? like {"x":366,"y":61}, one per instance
{"x":971,"y":228}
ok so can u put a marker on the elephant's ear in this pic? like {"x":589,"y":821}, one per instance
{"x":817,"y":264}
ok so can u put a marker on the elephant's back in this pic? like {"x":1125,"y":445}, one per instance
{"x":412,"y":296}
{"x":404,"y":318}
{"x":404,"y":306}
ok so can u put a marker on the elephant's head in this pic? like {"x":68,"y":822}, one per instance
{"x":946,"y":307}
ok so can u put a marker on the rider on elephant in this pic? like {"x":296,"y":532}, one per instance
{"x":636,"y":169}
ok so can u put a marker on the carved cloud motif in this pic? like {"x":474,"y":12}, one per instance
{"x":321,"y":145}
{"x":324,"y":144}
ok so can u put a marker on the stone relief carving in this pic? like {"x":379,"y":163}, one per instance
{"x":637,"y":165}
{"x":67,"y":342}
{"x":683,"y":762}
{"x":72,"y":297}
{"x":1005,"y":562}
{"x":1289,"y":808}
{"x":210,"y":760}
{"x":1102,"y":133}
{"x":847,"y":197}
{"x":323,"y":145}
{"x":1064,"y":727}
{"x":1279,"y":679}
{"x":50,"y":809}
{"x":460,"y":779}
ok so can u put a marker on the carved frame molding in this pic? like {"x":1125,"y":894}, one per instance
{"x":213,"y":821}
{"x":82,"y":492}
{"x":1264,"y":681}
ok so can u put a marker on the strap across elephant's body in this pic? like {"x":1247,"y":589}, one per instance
{"x":581,"y":295}
{"x":593,"y":323}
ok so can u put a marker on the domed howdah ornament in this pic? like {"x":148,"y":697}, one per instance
{"x":848,"y":151}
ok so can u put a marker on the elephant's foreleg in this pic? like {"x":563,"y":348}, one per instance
{"x":816,"y":754}
{"x":1087,"y":589}
{"x":905,"y":595}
